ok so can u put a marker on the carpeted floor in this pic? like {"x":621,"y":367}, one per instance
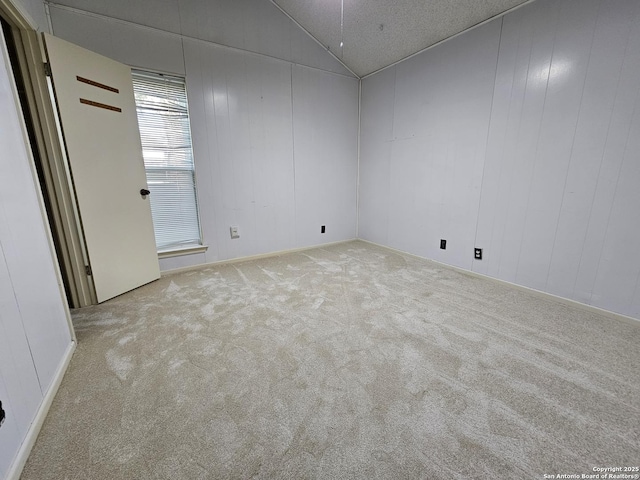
{"x":348,"y":361}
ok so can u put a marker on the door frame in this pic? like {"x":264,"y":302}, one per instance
{"x":62,"y":215}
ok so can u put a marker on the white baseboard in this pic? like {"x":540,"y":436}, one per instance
{"x":199,"y":266}
{"x":30,"y":439}
{"x":539,"y":293}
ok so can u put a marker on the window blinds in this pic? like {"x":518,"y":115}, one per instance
{"x":163,"y":119}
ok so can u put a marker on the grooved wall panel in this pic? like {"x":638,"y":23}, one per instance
{"x":325,"y":135}
{"x":423,"y":140}
{"x":34,"y":333}
{"x":240,"y":108}
{"x":376,"y":133}
{"x":557,"y":210}
{"x":275,"y":143}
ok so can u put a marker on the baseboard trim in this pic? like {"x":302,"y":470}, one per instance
{"x":278,"y":253}
{"x":32,"y":435}
{"x":539,"y":293}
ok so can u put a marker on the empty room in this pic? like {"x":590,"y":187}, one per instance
{"x":332,"y":239}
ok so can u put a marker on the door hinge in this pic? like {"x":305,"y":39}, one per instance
{"x":47,"y":69}
{"x":87,"y":269}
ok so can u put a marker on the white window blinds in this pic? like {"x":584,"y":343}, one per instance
{"x":165,"y":132}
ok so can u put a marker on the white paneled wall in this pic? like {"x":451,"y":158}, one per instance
{"x":240,"y":107}
{"x":325,"y":124}
{"x":34,"y":333}
{"x":275,"y":148}
{"x":557,"y":208}
{"x":275,"y":143}
{"x":19,"y":388}
{"x":563,"y":130}
{"x":376,"y":134}
{"x":251,"y":25}
{"x":423,"y":141}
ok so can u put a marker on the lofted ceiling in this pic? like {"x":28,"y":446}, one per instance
{"x":377,"y":33}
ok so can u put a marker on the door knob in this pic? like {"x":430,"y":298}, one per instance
{"x":144,"y":192}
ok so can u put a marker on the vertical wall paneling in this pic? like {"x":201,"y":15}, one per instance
{"x":619,"y":97}
{"x":19,"y":388}
{"x":428,"y":168}
{"x":558,"y":136}
{"x":241,"y":125}
{"x":12,"y":431}
{"x":507,"y":104}
{"x":376,"y":138}
{"x":609,"y":251}
{"x":34,"y":333}
{"x":523,"y":73}
{"x":22,"y":230}
{"x":517,"y":137}
{"x":601,"y":83}
{"x":559,"y":198}
{"x":619,"y":264}
{"x":568,"y":63}
{"x":243,"y":120}
{"x":325,"y":117}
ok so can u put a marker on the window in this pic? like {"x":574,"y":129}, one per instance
{"x":163,"y":118}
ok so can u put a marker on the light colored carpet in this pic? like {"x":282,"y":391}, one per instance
{"x":348,"y":361}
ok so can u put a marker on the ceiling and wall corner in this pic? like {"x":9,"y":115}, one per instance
{"x":274,"y":117}
{"x":374,"y":34}
{"x":256,"y":26}
{"x":33,"y":12}
{"x":377,"y":34}
{"x":520,"y":137}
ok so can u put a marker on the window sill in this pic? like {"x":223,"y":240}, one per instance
{"x":176,"y":252}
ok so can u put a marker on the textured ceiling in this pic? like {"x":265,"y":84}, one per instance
{"x":377,"y":33}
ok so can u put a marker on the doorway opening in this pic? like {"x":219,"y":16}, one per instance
{"x":49,"y":162}
{"x":18,"y":76}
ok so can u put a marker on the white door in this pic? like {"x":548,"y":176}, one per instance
{"x":100,"y":127}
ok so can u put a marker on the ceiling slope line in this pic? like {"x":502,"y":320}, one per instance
{"x":314,"y":38}
{"x":490,"y":19}
{"x":79,"y":11}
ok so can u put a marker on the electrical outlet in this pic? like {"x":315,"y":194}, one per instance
{"x":322,"y":229}
{"x":477,"y":253}
{"x":443,"y":244}
{"x":235,"y":233}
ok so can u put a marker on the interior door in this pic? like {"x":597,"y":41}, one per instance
{"x":94,"y":95}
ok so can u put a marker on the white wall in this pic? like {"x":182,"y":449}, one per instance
{"x":34,"y":12}
{"x":250,"y":25}
{"x":558,"y":172}
{"x":34,"y":333}
{"x":424,"y":135}
{"x":275,"y":143}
